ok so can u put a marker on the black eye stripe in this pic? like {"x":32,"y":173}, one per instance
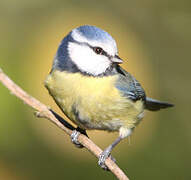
{"x":99,"y":50}
{"x":104,"y":53}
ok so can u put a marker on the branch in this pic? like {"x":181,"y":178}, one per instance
{"x":44,"y":111}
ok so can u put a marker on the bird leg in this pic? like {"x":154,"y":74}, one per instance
{"x":75,"y":134}
{"x":123,"y":133}
{"x":106,"y":153}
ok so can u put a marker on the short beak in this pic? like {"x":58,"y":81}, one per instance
{"x":116,"y":59}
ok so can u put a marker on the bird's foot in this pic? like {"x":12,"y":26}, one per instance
{"x":102,"y":157}
{"x":74,"y":139}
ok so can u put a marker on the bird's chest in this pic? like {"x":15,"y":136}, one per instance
{"x":91,"y":102}
{"x":90,"y":93}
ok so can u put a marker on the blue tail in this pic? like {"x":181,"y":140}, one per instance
{"x":155,"y":105}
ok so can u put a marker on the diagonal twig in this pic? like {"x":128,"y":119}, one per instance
{"x":45,"y":112}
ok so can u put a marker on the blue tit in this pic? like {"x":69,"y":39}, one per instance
{"x":93,"y":90}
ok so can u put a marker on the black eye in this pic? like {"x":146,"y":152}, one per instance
{"x":98,"y":50}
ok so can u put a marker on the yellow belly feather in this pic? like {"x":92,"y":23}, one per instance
{"x":97,"y":100}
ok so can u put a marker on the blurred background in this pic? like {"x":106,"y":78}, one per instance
{"x":154,"y":37}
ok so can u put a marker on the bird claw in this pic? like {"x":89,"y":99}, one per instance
{"x":102,"y":157}
{"x":74,"y":139}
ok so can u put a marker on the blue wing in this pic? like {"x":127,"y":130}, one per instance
{"x":129,"y":86}
{"x":132,"y":89}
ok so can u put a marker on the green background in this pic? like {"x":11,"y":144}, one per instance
{"x":154,"y":38}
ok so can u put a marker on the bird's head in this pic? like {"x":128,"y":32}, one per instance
{"x":89,"y":49}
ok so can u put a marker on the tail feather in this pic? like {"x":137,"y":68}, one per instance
{"x":155,"y":105}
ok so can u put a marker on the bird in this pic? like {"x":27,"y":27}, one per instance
{"x":93,"y":90}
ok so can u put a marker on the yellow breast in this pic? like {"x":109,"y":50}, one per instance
{"x":92,"y":102}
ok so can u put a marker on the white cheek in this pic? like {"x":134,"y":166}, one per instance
{"x":86,"y":59}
